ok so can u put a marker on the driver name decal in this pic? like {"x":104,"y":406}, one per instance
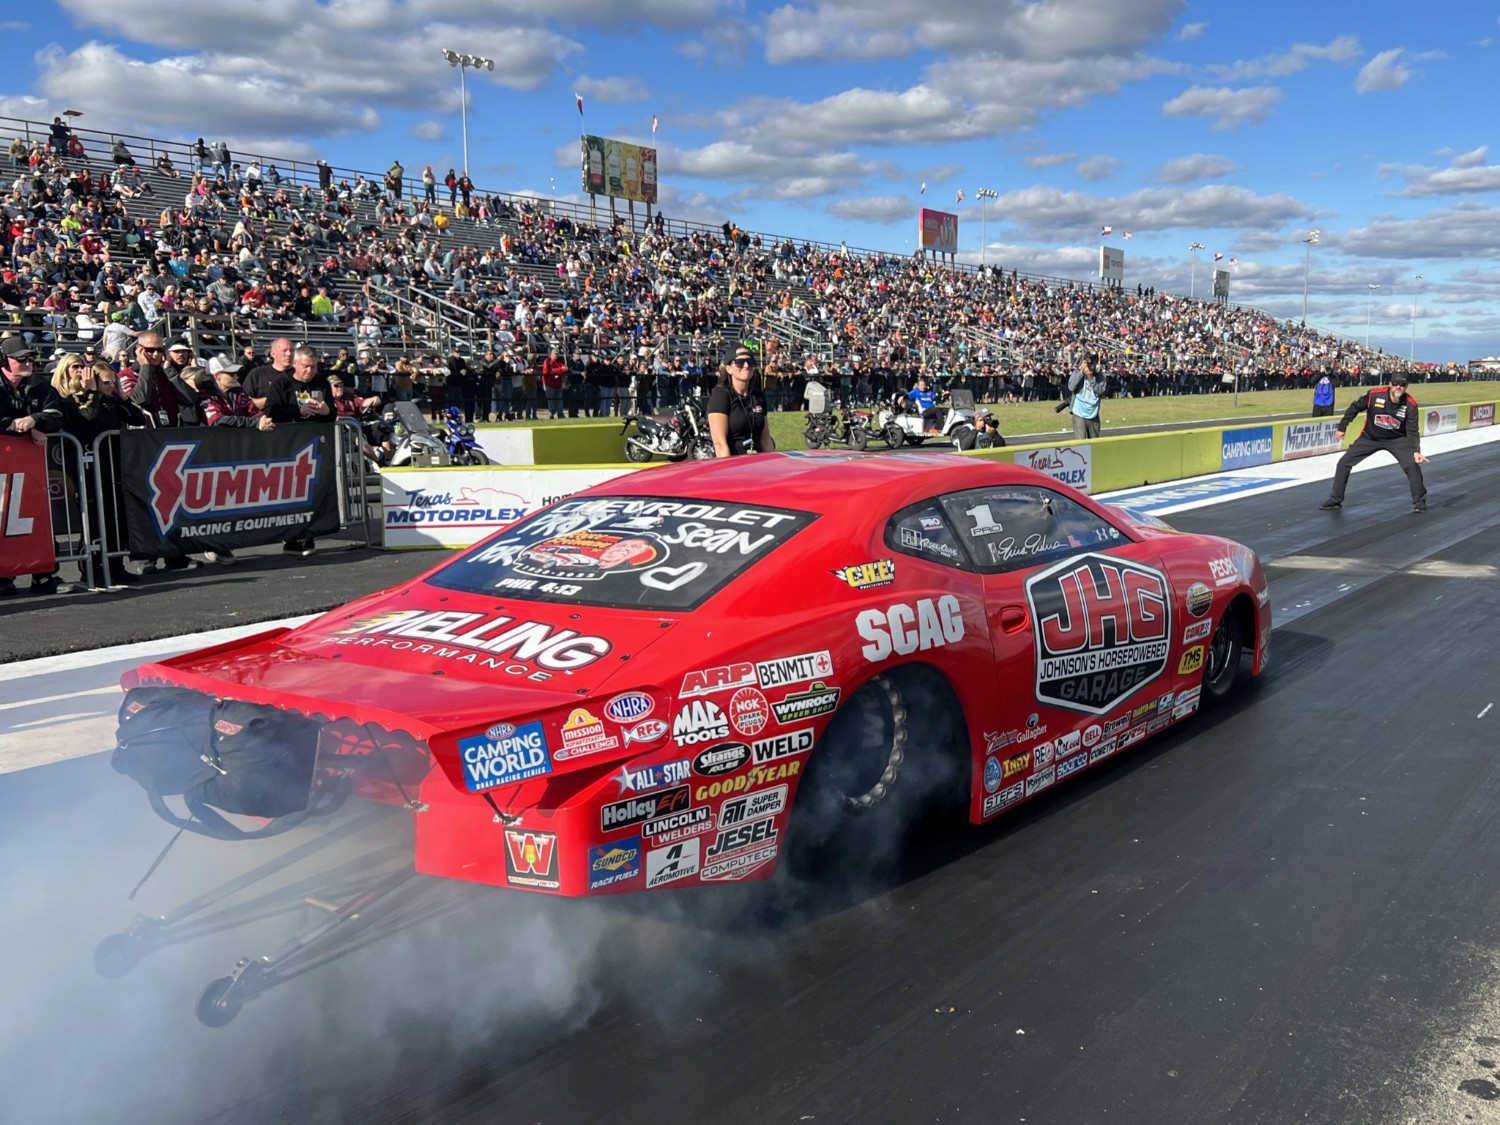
{"x":1103,"y":628}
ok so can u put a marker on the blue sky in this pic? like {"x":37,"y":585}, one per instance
{"x":1239,"y":126}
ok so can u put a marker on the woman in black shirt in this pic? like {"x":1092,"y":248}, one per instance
{"x":737,"y":409}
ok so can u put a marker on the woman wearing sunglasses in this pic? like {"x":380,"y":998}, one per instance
{"x":737,"y":409}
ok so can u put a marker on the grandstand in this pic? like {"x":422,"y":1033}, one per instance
{"x":524,"y":276}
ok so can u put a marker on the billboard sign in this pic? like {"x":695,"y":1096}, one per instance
{"x":1111,"y":265}
{"x":937,"y":230}
{"x":618,"y":169}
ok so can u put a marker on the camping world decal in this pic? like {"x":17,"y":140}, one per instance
{"x":1103,"y":628}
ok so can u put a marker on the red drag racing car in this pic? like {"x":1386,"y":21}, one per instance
{"x":631,"y":691}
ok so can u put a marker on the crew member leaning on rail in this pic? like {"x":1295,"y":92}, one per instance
{"x":1390,"y":425}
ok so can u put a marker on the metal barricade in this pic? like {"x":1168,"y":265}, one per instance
{"x":68,"y":492}
{"x":353,"y":476}
{"x":114,"y":540}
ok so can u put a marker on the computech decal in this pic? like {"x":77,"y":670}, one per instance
{"x":502,"y":755}
{"x":1102,"y":626}
{"x":867,"y":575}
{"x":501,"y":638}
{"x":1071,"y":464}
{"x":531,"y":859}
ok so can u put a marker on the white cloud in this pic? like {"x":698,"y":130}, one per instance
{"x":428,"y":131}
{"x":1046,"y":213}
{"x":611,"y":91}
{"x":1191,"y":31}
{"x":1198,"y":166}
{"x":1229,"y":108}
{"x":1474,"y":158}
{"x":1467,"y":173}
{"x":1385,"y":71}
{"x":874,"y":209}
{"x":1050,"y":160}
{"x":1301,"y":55}
{"x":1096,"y":168}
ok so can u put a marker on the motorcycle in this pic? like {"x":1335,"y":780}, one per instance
{"x":458,"y":436}
{"x":901,"y":423}
{"x":412,"y":441}
{"x":677,"y":436}
{"x":825,"y":427}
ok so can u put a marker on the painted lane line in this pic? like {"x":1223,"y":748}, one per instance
{"x":1485,"y":712}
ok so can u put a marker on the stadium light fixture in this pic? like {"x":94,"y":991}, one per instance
{"x":464,"y":63}
{"x":1417,"y":280}
{"x":1310,"y":238}
{"x":1369,"y":303}
{"x":1193,"y":249}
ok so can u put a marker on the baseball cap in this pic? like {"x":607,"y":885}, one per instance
{"x":222,"y":364}
{"x":16,"y":347}
{"x":179,"y":346}
{"x":1399,"y":380}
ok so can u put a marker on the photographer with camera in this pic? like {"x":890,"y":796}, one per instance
{"x":1085,"y":389}
{"x":737,"y":409}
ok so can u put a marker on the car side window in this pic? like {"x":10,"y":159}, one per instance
{"x":1014,"y":527}
{"x":922,"y":531}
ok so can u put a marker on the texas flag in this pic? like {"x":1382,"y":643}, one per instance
{"x":1218,"y":257}
{"x":1106,"y":230}
{"x":579,"y":99}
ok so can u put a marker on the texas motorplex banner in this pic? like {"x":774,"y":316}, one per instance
{"x":459,"y":507}
{"x":213,"y":488}
{"x":937,"y":230}
{"x":1071,"y":464}
{"x":618,"y":169}
{"x":25,"y":510}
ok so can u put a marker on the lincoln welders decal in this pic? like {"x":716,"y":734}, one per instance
{"x":1103,"y":628}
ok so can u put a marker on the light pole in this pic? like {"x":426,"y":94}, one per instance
{"x":984,"y":194}
{"x":464,"y":62}
{"x":1312,"y":237}
{"x":1193,"y":281}
{"x":1413,"y":357}
{"x":1369,"y":301}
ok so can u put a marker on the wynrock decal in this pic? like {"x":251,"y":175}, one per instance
{"x":819,"y":699}
{"x":532,"y":642}
{"x":178,"y":487}
{"x":1102,"y":626}
{"x":791,"y":670}
{"x":867,"y":576}
{"x":636,"y":810}
{"x":502,"y":755}
{"x":667,"y":865}
{"x":719,"y":760}
{"x":531,"y":859}
{"x":903,"y":629}
{"x":700,"y":721}
{"x":1005,"y":798}
{"x":711,"y":680}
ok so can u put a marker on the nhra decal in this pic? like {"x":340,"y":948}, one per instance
{"x":758,"y":776}
{"x":749,"y":712}
{"x":791,"y":670}
{"x":1192,"y":661}
{"x":643,"y":779}
{"x":1196,"y":631}
{"x":582,"y":734}
{"x":531,"y":859}
{"x":1070,"y":766}
{"x":767,"y":802}
{"x":679,"y":825}
{"x":532,"y":642}
{"x":818,"y":699}
{"x":867,"y":576}
{"x":719,"y":760}
{"x":667,"y":865}
{"x":786,"y":745}
{"x":700,"y":721}
{"x":614,"y":863}
{"x":176,"y":487}
{"x":1102,"y":627}
{"x":629,"y":707}
{"x":635,"y":810}
{"x":503,"y":754}
{"x":711,"y":680}
{"x":903,"y":630}
{"x":1005,"y":798}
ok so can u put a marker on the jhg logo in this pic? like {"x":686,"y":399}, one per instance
{"x":1102,"y":627}
{"x":178,"y":487}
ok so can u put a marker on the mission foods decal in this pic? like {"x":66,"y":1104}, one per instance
{"x":1103,"y":627}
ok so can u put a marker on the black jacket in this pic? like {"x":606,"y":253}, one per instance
{"x":284,"y":399}
{"x":1384,"y":419}
{"x":32,"y":397}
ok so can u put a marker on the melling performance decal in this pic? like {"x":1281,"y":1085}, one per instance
{"x":1103,"y":628}
{"x":226,"y":487}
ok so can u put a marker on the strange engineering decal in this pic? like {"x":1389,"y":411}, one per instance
{"x":1103,"y":628}
{"x":627,"y":551}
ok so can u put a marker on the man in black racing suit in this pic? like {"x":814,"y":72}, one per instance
{"x":1390,"y":425}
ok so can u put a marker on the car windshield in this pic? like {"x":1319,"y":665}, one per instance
{"x":637,"y":552}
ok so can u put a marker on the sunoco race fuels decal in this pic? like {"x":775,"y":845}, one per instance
{"x":1103,"y":627}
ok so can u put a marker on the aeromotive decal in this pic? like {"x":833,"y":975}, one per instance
{"x":511,"y":638}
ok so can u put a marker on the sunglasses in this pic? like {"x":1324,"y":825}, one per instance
{"x":742,"y":363}
{"x":154,"y":351}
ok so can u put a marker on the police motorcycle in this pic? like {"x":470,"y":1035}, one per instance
{"x":901,"y":423}
{"x":826,"y":426}
{"x":458,"y":436}
{"x":412,"y":440}
{"x":677,"y":436}
{"x":968,"y":435}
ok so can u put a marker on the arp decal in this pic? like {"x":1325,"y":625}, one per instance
{"x":711,"y":680}
{"x":1197,"y":631}
{"x":614,"y":863}
{"x":699,"y":721}
{"x":503,"y":754}
{"x":1102,"y":626}
{"x":903,"y":629}
{"x":531,"y":859}
{"x":868,"y":575}
{"x":1192,"y":661}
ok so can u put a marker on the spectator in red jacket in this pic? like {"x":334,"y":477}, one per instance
{"x":554,"y":369}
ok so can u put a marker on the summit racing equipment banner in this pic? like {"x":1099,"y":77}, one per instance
{"x":25,"y":512}
{"x":627,"y":551}
{"x":1103,"y":629}
{"x":212,"y":488}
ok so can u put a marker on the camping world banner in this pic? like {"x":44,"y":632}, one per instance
{"x":217,"y":489}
